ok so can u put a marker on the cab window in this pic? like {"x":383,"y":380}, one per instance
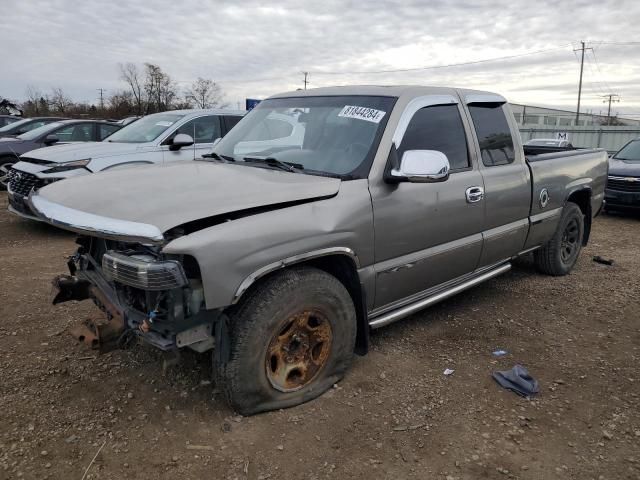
{"x":438,"y":127}
{"x":494,"y":135}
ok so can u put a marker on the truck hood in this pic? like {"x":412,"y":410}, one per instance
{"x":166,"y":196}
{"x":80,"y":151}
{"x":624,"y":168}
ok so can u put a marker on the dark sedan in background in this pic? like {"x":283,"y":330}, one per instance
{"x":64,"y":131}
{"x":8,"y":119}
{"x":623,"y":182}
{"x":25,"y":125}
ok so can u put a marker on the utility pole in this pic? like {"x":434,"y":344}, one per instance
{"x":101,"y":90}
{"x":306,"y":74}
{"x":580,"y":84}
{"x":612,"y":97}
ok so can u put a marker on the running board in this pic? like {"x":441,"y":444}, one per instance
{"x":395,"y":315}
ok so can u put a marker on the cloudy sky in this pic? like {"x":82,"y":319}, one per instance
{"x":257,"y":48}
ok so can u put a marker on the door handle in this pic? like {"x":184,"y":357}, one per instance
{"x":474,"y":194}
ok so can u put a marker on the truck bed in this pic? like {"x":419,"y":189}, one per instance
{"x":563,"y":173}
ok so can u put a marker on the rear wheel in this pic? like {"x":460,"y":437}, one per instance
{"x":291,"y":339}
{"x":560,"y":254}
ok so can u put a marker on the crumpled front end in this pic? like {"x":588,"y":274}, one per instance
{"x":143,"y":293}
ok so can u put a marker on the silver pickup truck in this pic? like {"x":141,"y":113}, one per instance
{"x":283,"y":249}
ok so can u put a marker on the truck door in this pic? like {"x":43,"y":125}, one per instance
{"x":204,"y":130}
{"x":507,"y":184}
{"x":428,"y":233}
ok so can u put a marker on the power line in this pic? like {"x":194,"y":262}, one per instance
{"x":593,"y":53}
{"x":433,"y":67}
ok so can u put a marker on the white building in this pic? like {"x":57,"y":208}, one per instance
{"x":530,"y":116}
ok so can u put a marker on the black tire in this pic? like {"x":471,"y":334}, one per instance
{"x":560,"y":254}
{"x":5,"y":164}
{"x":287,"y":318}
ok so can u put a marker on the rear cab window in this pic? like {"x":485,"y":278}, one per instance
{"x":493,"y":132}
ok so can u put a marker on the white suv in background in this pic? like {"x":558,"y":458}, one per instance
{"x":158,"y":138}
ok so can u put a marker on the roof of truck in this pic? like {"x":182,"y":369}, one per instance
{"x":381,"y":90}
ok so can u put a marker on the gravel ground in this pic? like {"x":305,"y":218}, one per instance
{"x":394,"y":416}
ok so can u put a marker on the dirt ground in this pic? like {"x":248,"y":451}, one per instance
{"x":394,"y":416}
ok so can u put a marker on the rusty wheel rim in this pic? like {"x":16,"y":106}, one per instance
{"x":299,"y":350}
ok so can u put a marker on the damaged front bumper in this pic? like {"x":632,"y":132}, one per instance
{"x":140,"y":296}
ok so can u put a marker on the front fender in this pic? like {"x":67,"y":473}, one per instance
{"x":234,"y":254}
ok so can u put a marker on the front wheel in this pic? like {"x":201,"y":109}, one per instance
{"x":560,"y":254}
{"x":291,"y":339}
{"x":5,"y":166}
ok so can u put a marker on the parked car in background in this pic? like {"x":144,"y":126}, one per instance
{"x":623,"y":182}
{"x":8,"y":119}
{"x":281,"y":256}
{"x":64,"y":131}
{"x":548,"y":142}
{"x":159,"y":138}
{"x":25,"y":125}
{"x":126,"y":121}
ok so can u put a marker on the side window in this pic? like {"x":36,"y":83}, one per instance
{"x":76,"y":133}
{"x":494,"y":135}
{"x":105,"y":130}
{"x":440,"y":128}
{"x":33,"y":126}
{"x":202,"y":129}
{"x":231,"y":120}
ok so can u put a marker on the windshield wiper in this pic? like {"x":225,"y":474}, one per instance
{"x":274,"y":162}
{"x":217,"y":156}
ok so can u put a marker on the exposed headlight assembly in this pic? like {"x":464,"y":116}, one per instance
{"x":143,"y":271}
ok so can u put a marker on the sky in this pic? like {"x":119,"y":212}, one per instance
{"x":258,"y":48}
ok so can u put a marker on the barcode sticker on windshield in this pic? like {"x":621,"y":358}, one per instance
{"x":164,"y":124}
{"x":362,"y":113}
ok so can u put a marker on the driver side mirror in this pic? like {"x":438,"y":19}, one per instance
{"x":422,"y":166}
{"x":216,"y":141}
{"x":51,"y":139}
{"x":181,"y":140}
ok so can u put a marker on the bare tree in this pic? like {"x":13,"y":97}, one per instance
{"x":160,"y":89}
{"x":59,"y":100}
{"x":33,"y":100}
{"x":121,"y":103}
{"x":129,"y":73}
{"x":205,"y":93}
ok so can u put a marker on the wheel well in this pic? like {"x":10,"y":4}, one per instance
{"x":344,"y":269}
{"x":582,"y":198}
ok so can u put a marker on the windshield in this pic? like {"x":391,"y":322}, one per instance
{"x":630,"y":152}
{"x":146,"y":129}
{"x":331,"y":135}
{"x":11,"y":126}
{"x":36,"y":132}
